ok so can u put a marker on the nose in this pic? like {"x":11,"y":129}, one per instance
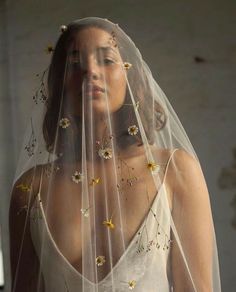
{"x":90,"y":68}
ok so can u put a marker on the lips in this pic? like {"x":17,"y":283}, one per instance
{"x":90,"y":87}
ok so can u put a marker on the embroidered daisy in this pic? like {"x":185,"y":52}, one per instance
{"x":105,"y":153}
{"x":85,"y":212}
{"x":127,"y":65}
{"x":64,"y":123}
{"x":133,"y":130}
{"x":132,"y":284}
{"x":77,"y":177}
{"x":153,"y":166}
{"x":100,"y":260}
{"x":109,"y":224}
{"x":95,"y":181}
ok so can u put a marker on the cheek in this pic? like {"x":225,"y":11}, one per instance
{"x":117,"y":83}
{"x":117,"y":90}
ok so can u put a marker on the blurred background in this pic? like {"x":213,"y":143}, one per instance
{"x":190,"y":46}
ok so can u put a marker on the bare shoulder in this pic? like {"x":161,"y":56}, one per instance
{"x":180,"y":156}
{"x":23,"y":258}
{"x":185,"y":161}
{"x":180,"y":160}
{"x":24,"y":189}
{"x":182,"y":173}
{"x":188,"y":176}
{"x":186,"y":167}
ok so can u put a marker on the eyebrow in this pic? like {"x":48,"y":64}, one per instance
{"x":75,"y":52}
{"x":107,"y":49}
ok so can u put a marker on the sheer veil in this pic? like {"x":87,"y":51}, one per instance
{"x":109,"y":194}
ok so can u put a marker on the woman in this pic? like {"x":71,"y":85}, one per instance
{"x":109,"y":194}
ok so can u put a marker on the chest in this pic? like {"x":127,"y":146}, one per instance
{"x":76,"y":212}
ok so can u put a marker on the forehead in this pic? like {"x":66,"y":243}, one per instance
{"x":90,"y":38}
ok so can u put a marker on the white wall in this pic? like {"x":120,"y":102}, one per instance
{"x":169,"y":34}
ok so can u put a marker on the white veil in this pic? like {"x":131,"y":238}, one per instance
{"x":109,"y":194}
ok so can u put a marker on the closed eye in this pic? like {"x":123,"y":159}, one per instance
{"x":108,"y":61}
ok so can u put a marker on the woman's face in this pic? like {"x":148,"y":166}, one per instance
{"x":95,"y":70}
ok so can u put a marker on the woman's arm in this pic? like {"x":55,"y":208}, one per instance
{"x":192,"y":217}
{"x":24,"y":261}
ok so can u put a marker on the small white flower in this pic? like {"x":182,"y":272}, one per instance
{"x":77,"y":177}
{"x":85,"y":212}
{"x":64,"y":123}
{"x":133,"y":130}
{"x":105,"y":153}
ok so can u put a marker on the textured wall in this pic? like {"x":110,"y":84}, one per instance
{"x":190,"y":47}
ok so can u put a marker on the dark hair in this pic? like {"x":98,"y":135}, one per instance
{"x":137,"y":79}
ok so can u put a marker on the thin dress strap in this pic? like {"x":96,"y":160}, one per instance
{"x":40,"y":185}
{"x":168,"y":162}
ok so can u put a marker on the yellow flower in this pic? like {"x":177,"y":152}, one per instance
{"x":64,"y":123}
{"x":153,"y":166}
{"x":100,"y":260}
{"x":127,"y":65}
{"x":132,"y":284}
{"x":133,"y":130}
{"x":49,"y":49}
{"x":109,"y":224}
{"x":23,"y":187}
{"x":95,"y":181}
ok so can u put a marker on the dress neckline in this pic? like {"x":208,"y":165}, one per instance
{"x":155,"y":200}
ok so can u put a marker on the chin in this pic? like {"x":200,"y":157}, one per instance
{"x":99,"y":106}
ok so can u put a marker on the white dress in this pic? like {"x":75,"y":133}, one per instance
{"x":146,"y":260}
